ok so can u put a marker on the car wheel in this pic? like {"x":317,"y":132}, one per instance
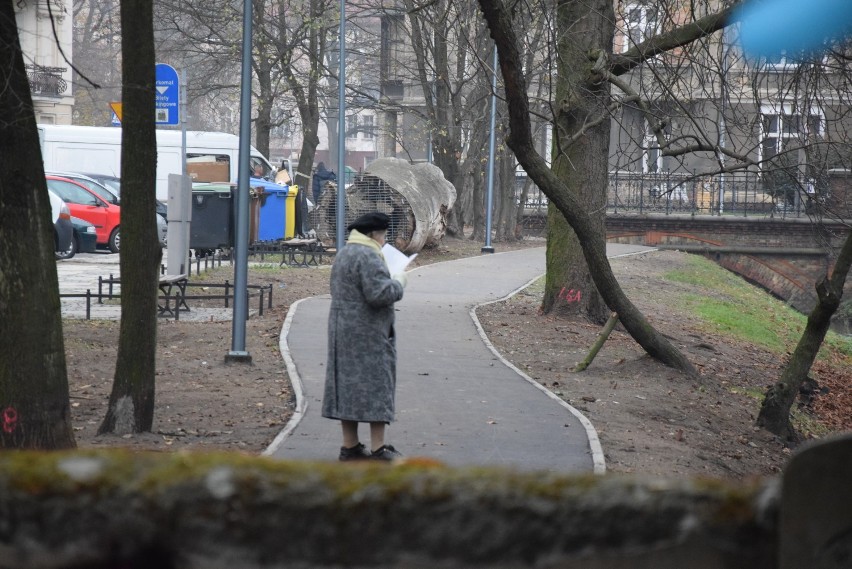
{"x":114,"y":242}
{"x":73,"y":247}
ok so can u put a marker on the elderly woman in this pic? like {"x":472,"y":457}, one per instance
{"x":360,"y":380}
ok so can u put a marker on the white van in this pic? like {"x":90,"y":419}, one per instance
{"x":211,"y":156}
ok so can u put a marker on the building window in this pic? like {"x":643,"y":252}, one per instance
{"x":652,"y":154}
{"x":352,"y":126}
{"x":784,"y":163}
{"x":393,"y":36}
{"x":780,"y":61}
{"x":781,"y":130}
{"x":368,"y":126}
{"x":640,"y":23}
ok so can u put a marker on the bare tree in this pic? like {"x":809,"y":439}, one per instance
{"x":577,"y":185}
{"x":97,"y":60}
{"x":779,"y":398}
{"x":290,"y":41}
{"x":34,"y":404}
{"x":445,"y":63}
{"x":701,"y":107}
{"x":131,"y":403}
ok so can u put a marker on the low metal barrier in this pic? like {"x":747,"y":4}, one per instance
{"x":106,"y":291}
{"x":293,"y":252}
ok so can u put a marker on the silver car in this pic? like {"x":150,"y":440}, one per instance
{"x":162,"y":229}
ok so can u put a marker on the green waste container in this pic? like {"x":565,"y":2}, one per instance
{"x":212,"y":225}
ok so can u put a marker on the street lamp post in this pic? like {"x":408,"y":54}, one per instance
{"x":238,"y":351}
{"x":491,"y":144}
{"x":341,"y":132}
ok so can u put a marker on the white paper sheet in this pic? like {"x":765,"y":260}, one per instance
{"x":396,"y":259}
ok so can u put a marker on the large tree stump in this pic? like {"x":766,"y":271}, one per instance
{"x":417,"y":198}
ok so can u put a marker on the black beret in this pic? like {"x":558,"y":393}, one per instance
{"x":373,"y":221}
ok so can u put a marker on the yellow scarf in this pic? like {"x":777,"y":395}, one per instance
{"x":358,"y":238}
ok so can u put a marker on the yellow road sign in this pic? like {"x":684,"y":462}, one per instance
{"x":116,"y":108}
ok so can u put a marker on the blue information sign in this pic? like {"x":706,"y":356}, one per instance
{"x":167,"y":97}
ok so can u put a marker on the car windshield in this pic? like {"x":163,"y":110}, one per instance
{"x":71,"y":192}
{"x":104,"y":193}
{"x":114,"y":185}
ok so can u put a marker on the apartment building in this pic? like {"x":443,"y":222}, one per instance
{"x":45,"y":29}
{"x":715,"y":128}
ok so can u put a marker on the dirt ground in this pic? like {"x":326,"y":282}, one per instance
{"x":650,"y":418}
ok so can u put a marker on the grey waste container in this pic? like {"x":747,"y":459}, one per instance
{"x":212,"y":225}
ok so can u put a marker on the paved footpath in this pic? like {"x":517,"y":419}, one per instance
{"x":457,"y":400}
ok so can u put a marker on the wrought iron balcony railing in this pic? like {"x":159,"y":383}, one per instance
{"x":46,"y":81}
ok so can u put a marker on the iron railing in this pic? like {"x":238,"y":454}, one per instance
{"x":46,"y":81}
{"x":740,"y":194}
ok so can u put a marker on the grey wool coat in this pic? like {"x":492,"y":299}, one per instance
{"x":360,"y":379}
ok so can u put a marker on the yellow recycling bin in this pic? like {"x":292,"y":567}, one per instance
{"x":290,"y":213}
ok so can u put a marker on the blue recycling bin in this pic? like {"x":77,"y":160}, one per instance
{"x":273,"y":201}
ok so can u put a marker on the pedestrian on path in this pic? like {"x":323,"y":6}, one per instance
{"x":360,"y":380}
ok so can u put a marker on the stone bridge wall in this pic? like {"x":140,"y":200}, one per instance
{"x":786,"y":257}
{"x":104,"y":510}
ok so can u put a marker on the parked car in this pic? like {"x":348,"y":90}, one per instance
{"x":104,"y":192}
{"x":62,"y":227}
{"x":162,"y":230}
{"x":85,"y":204}
{"x":84,"y":239}
{"x":114,"y":185}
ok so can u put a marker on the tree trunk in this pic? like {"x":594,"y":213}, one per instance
{"x":775,"y":411}
{"x":34,"y":405}
{"x":307,"y":100}
{"x":469,"y":204}
{"x":582,"y":164}
{"x":131,"y":402}
{"x":579,"y":215}
{"x":477,"y":188}
{"x":506,"y":214}
{"x":263,"y":122}
{"x":263,"y":69}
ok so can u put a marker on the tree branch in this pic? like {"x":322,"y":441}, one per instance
{"x":672,"y":39}
{"x":62,"y":52}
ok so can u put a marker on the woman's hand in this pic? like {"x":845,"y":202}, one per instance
{"x":401,"y":278}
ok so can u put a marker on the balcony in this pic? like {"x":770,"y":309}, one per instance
{"x":46,"y":81}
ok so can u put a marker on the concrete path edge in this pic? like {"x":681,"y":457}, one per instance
{"x":598,"y":460}
{"x":295,"y":381}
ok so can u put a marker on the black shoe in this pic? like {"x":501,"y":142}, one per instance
{"x":386,"y":452}
{"x":358,"y":452}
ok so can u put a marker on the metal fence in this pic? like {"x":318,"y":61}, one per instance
{"x":741,"y":194}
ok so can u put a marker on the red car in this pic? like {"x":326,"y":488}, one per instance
{"x":87,"y":205}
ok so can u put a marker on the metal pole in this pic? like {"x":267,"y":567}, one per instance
{"x":723,"y":129}
{"x":183,"y":122}
{"x":238,"y":351}
{"x":185,"y":185}
{"x":341,"y":132}
{"x":491,"y":143}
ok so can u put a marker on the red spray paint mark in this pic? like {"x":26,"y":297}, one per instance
{"x":10,"y":419}
{"x":570,"y":295}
